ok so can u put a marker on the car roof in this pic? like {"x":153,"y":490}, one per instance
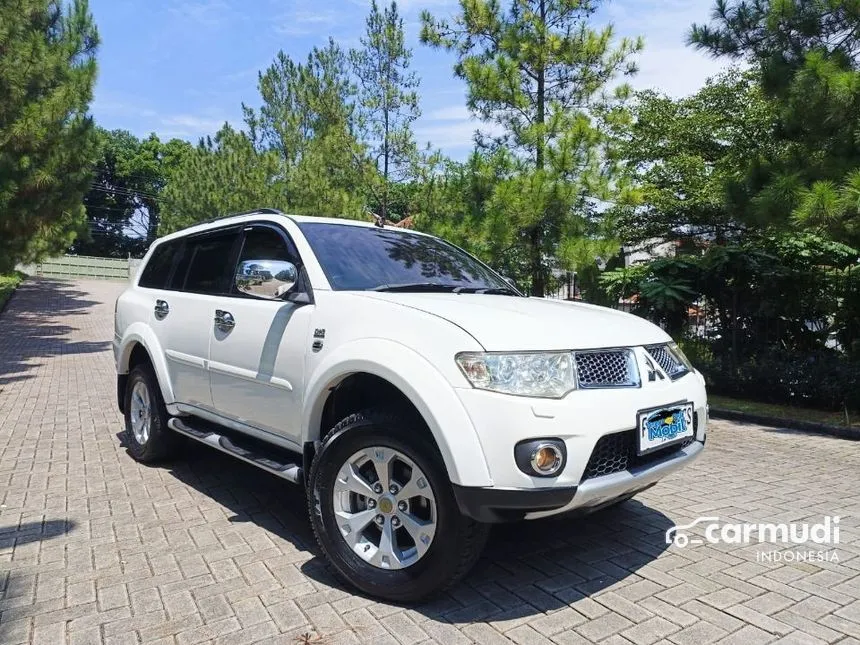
{"x":239,"y":218}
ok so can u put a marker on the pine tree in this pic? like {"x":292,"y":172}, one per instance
{"x":307,"y":119}
{"x":47,"y":141}
{"x":388,"y":100}
{"x":222,"y":175}
{"x":541,"y":72}
{"x":807,"y":53}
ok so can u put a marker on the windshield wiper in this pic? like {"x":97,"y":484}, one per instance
{"x":504,"y":291}
{"x":416,"y":286}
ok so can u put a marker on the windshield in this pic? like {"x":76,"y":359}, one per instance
{"x":371,"y":258}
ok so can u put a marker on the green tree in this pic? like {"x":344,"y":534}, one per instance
{"x":690,"y":160}
{"x":47,"y":141}
{"x":307,"y":119}
{"x":223,"y":174}
{"x":388,"y":101}
{"x":123,"y":203}
{"x":542,"y":73}
{"x":301,"y":101}
{"x":807,"y":54}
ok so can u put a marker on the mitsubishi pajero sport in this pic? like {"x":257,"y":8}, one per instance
{"x":415,"y":393}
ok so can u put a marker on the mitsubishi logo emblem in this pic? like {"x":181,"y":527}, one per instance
{"x":653,"y":372}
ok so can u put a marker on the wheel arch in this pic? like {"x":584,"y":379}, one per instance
{"x":426,"y":392}
{"x":140,"y":344}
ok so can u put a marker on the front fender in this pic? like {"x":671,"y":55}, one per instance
{"x":141,"y":334}
{"x":427,"y":389}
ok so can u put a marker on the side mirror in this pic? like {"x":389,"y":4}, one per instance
{"x":269,"y":279}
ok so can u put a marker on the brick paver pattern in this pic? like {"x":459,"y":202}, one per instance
{"x":95,"y":548}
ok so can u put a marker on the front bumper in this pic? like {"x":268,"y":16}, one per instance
{"x":495,"y":505}
{"x":580,"y":420}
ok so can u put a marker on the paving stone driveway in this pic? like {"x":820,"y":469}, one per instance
{"x":96,"y":548}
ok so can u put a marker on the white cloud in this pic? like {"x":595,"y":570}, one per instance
{"x":189,"y":125}
{"x":208,"y":13}
{"x":667,"y":63}
{"x":675,"y":70}
{"x":412,"y":6}
{"x":451,"y":127}
{"x":449,"y":113}
{"x":121,"y":108}
{"x":303,"y":18}
{"x":245,"y":74}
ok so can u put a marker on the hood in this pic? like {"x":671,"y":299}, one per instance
{"x":505,"y":323}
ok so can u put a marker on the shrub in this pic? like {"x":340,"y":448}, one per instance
{"x":818,"y":379}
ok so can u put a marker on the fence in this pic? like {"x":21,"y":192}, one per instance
{"x":82,"y":266}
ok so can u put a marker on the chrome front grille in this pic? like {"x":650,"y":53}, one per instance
{"x":601,"y":368}
{"x":667,"y":361}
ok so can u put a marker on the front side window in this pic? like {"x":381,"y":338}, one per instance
{"x":206,"y":263}
{"x":383,"y":259}
{"x":264,"y":243}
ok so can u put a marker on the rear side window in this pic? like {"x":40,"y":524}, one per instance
{"x":157,"y":270}
{"x":206,"y":263}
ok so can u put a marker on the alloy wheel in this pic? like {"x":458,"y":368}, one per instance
{"x":385,"y":508}
{"x":140,"y":412}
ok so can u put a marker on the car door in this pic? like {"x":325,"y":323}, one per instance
{"x":256,"y":361}
{"x":183,"y":314}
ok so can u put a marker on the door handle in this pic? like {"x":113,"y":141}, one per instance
{"x":224,"y":320}
{"x":161,"y":309}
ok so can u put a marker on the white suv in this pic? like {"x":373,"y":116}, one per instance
{"x":415,"y":393}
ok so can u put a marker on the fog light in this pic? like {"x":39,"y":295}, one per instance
{"x":540,"y":457}
{"x":546,"y":459}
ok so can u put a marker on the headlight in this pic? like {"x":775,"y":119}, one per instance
{"x":680,"y":356}
{"x":544,"y":374}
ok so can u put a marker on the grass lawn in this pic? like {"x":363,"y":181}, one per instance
{"x":784,"y":411}
{"x":8,"y":283}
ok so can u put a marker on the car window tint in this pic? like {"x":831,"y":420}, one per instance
{"x":358,"y":257}
{"x":157,"y":270}
{"x":209,"y":263}
{"x":263,"y":243}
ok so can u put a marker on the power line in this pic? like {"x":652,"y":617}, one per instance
{"x":124,"y":191}
{"x":116,"y":209}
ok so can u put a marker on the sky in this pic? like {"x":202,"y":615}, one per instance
{"x":181,"y":68}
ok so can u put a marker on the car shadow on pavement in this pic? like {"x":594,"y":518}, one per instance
{"x":528,"y":568}
{"x":31,"y":329}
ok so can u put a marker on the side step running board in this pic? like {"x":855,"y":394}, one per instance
{"x":288,"y":471}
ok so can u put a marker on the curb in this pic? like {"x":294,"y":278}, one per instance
{"x":778,"y":422}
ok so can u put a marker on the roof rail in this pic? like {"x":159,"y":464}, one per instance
{"x":256,"y":211}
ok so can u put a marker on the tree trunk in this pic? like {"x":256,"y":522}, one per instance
{"x":385,"y":168}
{"x":536,"y":234}
{"x":537,"y":268}
{"x":734,"y":328}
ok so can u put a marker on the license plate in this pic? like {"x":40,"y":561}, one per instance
{"x":665,"y":426}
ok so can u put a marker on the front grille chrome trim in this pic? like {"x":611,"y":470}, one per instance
{"x":606,"y":368}
{"x":667,"y":361}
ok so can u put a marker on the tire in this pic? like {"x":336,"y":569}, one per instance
{"x":147,"y":437}
{"x":456,"y":542}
